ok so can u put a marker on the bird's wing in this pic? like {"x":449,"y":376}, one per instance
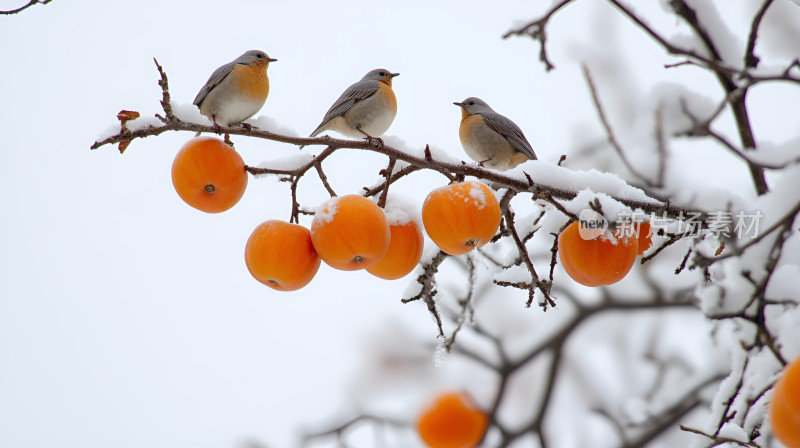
{"x":216,"y":78}
{"x":355,"y":93}
{"x":511,"y":132}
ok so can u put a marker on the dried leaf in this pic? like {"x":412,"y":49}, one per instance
{"x":123,"y":145}
{"x":127,"y":115}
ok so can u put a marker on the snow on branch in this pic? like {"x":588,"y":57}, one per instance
{"x":520,"y":184}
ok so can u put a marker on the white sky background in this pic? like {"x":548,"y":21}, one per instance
{"x":128,"y":319}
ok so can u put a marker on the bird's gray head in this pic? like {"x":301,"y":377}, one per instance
{"x":254,"y":56}
{"x":380,"y":74}
{"x":474,"y":105}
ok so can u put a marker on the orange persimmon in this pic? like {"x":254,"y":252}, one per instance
{"x":405,"y":250}
{"x":281,"y":256}
{"x":350,"y":232}
{"x":596,"y":262}
{"x":452,"y":421}
{"x":461,"y":216}
{"x":784,"y":409}
{"x":644,"y":237}
{"x":209,"y":175}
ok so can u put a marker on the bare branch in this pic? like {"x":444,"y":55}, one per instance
{"x":466,"y":305}
{"x":341,"y":429}
{"x":428,"y":281}
{"x":661,"y":147}
{"x":323,"y":177}
{"x":609,"y":132}
{"x":451,"y":170}
{"x":702,"y":128}
{"x":718,"y":440}
{"x":24,"y":7}
{"x":537,"y":30}
{"x":737,"y":102}
{"x":166,"y":102}
{"x":388,"y":175}
{"x":750,"y":59}
{"x":395,"y":177}
{"x":536,"y":283}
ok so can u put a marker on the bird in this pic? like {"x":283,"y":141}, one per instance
{"x":236,"y":91}
{"x":366,"y":109}
{"x":491,"y":139}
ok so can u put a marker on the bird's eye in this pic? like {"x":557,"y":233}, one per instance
{"x":472,"y":103}
{"x":259,"y":56}
{"x":382,"y":74}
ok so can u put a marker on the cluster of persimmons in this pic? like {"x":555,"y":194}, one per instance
{"x":351,"y":232}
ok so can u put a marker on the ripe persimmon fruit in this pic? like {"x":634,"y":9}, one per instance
{"x":350,"y":232}
{"x":596,"y":262}
{"x":461,"y":216}
{"x":784,"y":409}
{"x":281,"y":256}
{"x":644,"y":237}
{"x":405,"y":250}
{"x":209,"y":175}
{"x":452,"y":421}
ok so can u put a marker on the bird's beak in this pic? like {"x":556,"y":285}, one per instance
{"x":394,"y":74}
{"x":272,"y":60}
{"x":459,"y":104}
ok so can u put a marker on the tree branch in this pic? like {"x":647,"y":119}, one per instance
{"x":22,"y":8}
{"x":737,"y":103}
{"x":451,"y":170}
{"x":610,"y":132}
{"x":537,"y":30}
{"x":750,"y":59}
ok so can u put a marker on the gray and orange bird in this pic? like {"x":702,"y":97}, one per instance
{"x":491,"y":139}
{"x":366,"y":109}
{"x":235,"y":91}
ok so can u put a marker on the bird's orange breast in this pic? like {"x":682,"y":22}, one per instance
{"x":251,"y":81}
{"x":467,"y":123}
{"x":388,"y":94}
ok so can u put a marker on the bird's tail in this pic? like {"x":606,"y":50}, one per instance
{"x":316,"y":131}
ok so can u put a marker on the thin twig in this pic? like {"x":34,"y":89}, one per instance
{"x":428,"y":290}
{"x":536,"y":283}
{"x":718,"y":440}
{"x":612,"y":139}
{"x":750,"y":59}
{"x":22,"y":8}
{"x":537,"y":30}
{"x":388,"y":174}
{"x":323,"y":177}
{"x":736,"y":102}
{"x":395,"y":177}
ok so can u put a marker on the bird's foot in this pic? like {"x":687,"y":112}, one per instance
{"x":247,"y":126}
{"x":373,"y":141}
